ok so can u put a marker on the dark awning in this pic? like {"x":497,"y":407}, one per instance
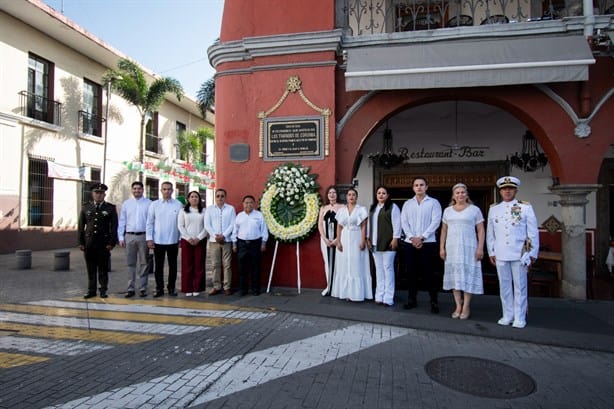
{"x":469,"y":63}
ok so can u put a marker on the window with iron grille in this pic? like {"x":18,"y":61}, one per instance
{"x":90,"y":118}
{"x":86,"y":187}
{"x":37,"y":101}
{"x":179,"y":129}
{"x":152,"y":142}
{"x":40,"y":193}
{"x":181,"y":190}
{"x":152,"y":186}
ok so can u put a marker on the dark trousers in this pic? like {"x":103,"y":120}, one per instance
{"x":249,"y":261}
{"x":169,"y":251}
{"x":97,"y":262}
{"x":192,"y":263}
{"x":421,"y":263}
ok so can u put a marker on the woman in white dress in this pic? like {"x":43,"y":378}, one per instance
{"x":327,"y":226}
{"x":352,"y":279}
{"x":462,"y":249}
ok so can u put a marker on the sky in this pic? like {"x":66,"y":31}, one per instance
{"x":168,"y":37}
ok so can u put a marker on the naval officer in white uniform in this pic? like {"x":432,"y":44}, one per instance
{"x":512,"y":240}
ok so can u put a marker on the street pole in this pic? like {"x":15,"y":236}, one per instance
{"x":106,"y":134}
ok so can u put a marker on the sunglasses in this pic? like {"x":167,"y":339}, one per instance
{"x":222,"y":196}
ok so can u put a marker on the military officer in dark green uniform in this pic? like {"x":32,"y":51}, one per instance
{"x":97,"y":237}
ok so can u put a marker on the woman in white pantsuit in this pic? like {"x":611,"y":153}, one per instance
{"x":384,"y":235}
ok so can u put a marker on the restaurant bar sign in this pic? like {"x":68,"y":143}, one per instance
{"x":293,"y":138}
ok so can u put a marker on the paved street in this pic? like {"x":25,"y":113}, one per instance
{"x":285,"y":350}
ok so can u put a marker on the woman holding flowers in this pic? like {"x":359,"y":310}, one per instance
{"x":352,"y":278}
{"x":327,"y":226}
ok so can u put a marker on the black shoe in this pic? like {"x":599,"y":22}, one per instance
{"x":410,"y":305}
{"x":434,"y":308}
{"x":256,"y":292}
{"x":172,"y":293}
{"x":143,"y":294}
{"x":103,"y":294}
{"x":158,"y":294}
{"x":89,"y":295}
{"x":129,"y":294}
{"x":243,"y":293}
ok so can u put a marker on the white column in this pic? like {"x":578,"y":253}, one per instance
{"x":573,"y":241}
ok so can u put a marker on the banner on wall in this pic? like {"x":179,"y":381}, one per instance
{"x":66,"y":172}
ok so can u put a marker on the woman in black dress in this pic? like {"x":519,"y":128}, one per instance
{"x":327,"y":226}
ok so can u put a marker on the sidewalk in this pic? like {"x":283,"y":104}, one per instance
{"x":577,"y":324}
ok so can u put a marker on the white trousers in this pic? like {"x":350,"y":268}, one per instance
{"x":513,"y":290}
{"x":384,"y":276}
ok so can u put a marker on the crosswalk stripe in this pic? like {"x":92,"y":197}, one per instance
{"x":166,"y":329}
{"x":55,"y":332}
{"x":8,"y":360}
{"x":218,"y":379}
{"x":162,"y":302}
{"x":51,"y":347}
{"x":152,"y":308}
{"x":117,"y":314}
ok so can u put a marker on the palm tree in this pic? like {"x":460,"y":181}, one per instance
{"x":190,"y":144}
{"x":206,"y":97}
{"x":129,"y":81}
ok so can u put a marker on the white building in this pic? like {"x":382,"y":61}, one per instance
{"x":53,"y":129}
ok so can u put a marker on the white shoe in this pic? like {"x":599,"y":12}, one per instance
{"x":195,"y":294}
{"x":519,"y":324}
{"x":188,"y":294}
{"x":504,"y":321}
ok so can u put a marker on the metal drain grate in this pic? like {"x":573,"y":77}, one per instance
{"x":480,"y":377}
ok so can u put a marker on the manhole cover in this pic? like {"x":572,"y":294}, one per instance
{"x":480,"y":377}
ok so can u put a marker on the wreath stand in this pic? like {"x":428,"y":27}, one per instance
{"x":298,"y":268}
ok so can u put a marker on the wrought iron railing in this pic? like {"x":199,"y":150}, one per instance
{"x":90,"y":124}
{"x":152,"y":143}
{"x":40,"y":108}
{"x":365,"y":17}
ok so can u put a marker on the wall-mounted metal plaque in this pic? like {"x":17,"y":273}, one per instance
{"x":293,"y":138}
{"x":239,"y":152}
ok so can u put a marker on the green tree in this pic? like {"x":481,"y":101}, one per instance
{"x":191,"y":144}
{"x":206,"y":97}
{"x":129,"y":81}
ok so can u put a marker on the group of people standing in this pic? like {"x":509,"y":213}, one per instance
{"x":349,"y":232}
{"x":164,"y":226}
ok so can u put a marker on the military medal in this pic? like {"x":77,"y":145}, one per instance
{"x":516,"y":212}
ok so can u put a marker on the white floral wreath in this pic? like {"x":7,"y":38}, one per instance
{"x":290,"y":203}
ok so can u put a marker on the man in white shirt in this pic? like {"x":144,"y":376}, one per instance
{"x":420,"y":219}
{"x":163,"y":237}
{"x":131,"y":235}
{"x":512,"y":239}
{"x":219,"y":223}
{"x":249,"y":238}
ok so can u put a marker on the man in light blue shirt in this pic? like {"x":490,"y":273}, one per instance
{"x":420,"y":219}
{"x":219,"y":223}
{"x":249,"y":241}
{"x":163,"y":237}
{"x":131,"y":234}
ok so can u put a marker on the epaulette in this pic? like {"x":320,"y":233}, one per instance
{"x":493,"y":204}
{"x":524,"y":202}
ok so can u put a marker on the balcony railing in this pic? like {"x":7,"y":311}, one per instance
{"x":40,"y":108}
{"x":152,"y":143}
{"x":90,"y":124}
{"x":365,"y":17}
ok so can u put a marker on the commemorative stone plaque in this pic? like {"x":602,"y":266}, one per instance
{"x":293,"y":138}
